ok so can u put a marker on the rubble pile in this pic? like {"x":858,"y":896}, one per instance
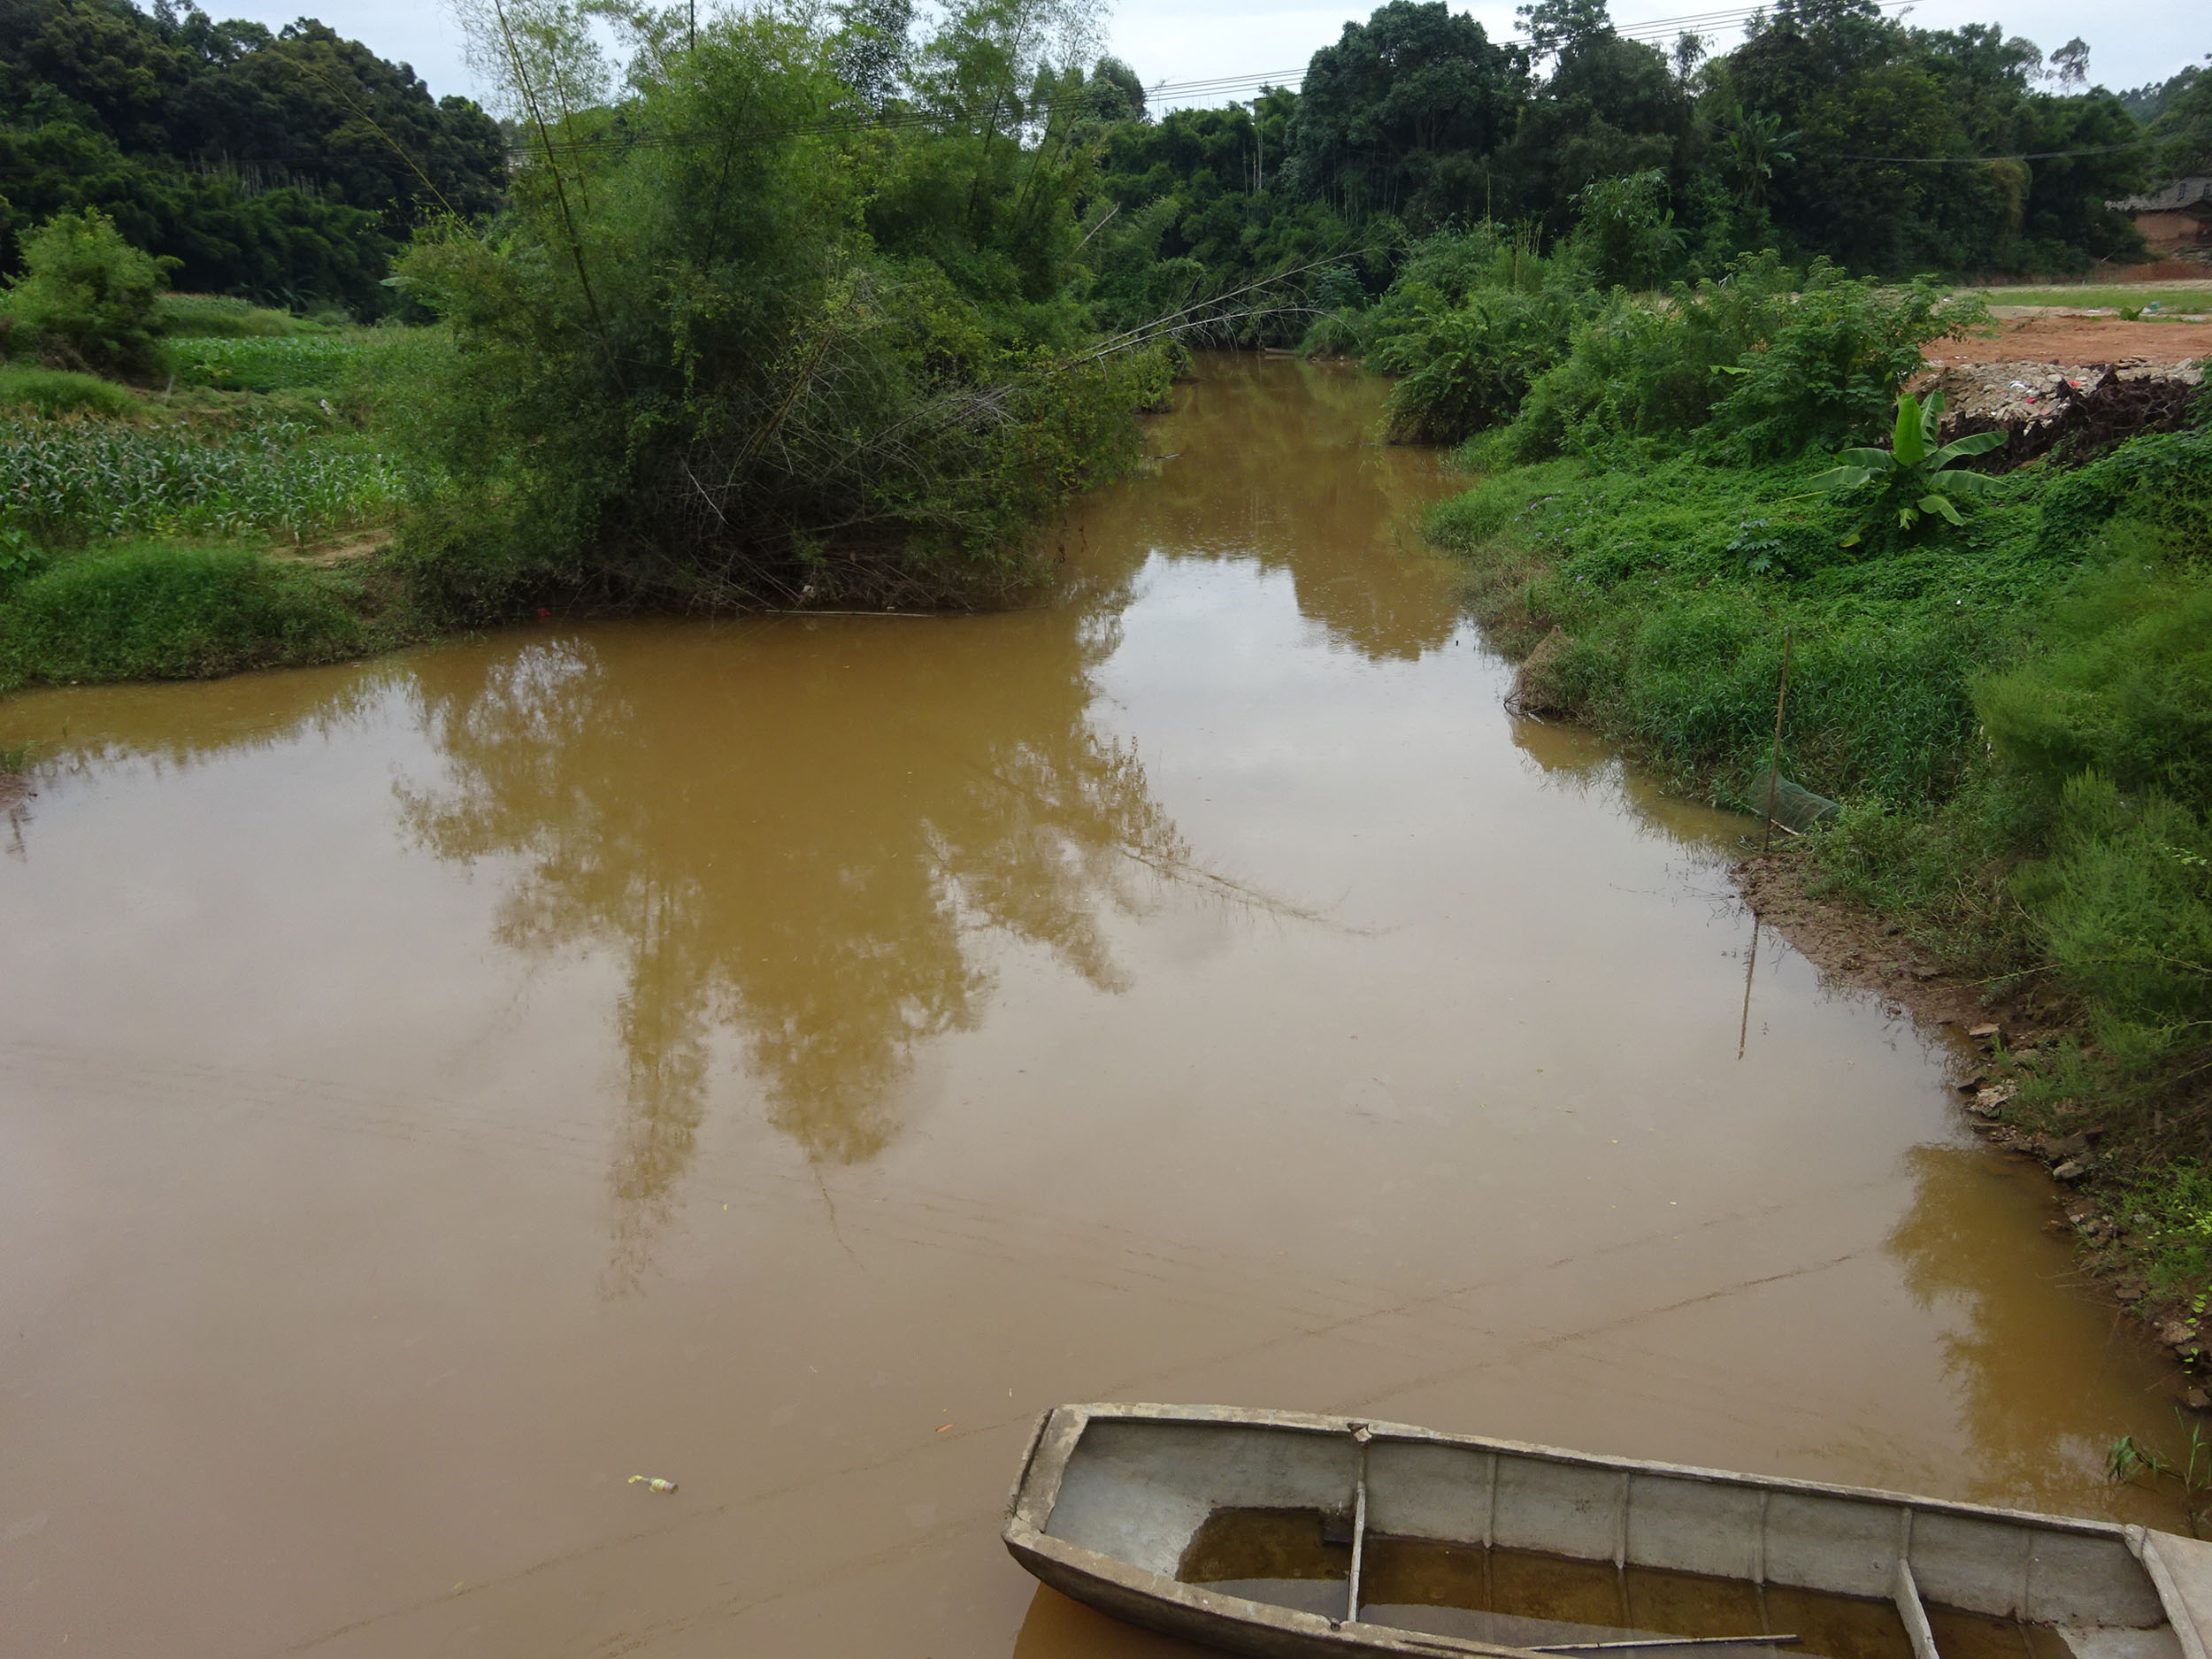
{"x":2039,"y":406}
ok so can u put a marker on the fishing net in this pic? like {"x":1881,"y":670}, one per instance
{"x":1793,"y":806}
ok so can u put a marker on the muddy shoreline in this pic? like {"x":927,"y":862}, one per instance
{"x":1996,"y":1042}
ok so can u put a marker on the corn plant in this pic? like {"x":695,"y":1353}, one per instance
{"x":71,"y":480}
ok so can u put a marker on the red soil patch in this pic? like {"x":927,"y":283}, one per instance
{"x":2077,"y":340}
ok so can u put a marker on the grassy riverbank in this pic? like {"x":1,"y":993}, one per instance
{"x":2016,"y":712}
{"x":220,"y":521}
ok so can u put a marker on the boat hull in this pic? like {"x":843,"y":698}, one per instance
{"x":1110,"y":1497}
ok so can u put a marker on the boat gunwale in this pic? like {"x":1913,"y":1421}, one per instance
{"x":1060,"y":1430}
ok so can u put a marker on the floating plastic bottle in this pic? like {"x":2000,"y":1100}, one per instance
{"x":652,"y":1483}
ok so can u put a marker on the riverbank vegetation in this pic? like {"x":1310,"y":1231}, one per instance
{"x":837,"y":308}
{"x":2008,"y":688}
{"x":791,"y":353}
{"x":177,"y":525}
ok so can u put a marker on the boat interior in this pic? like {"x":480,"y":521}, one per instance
{"x":1554,"y":1553}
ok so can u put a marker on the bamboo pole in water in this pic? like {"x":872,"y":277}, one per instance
{"x":1774,"y":765}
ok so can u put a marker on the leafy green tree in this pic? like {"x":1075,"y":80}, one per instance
{"x":86,"y":296}
{"x":1396,"y":117}
{"x":872,"y":48}
{"x":1118,"y":95}
{"x":809,"y":360}
{"x":284,"y":164}
{"x":1557,"y":27}
{"x":286,"y":246}
{"x":1610,"y":107}
{"x":2183,"y":127}
{"x":1752,"y":146}
{"x":1629,"y":229}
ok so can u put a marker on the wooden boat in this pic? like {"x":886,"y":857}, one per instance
{"x":1273,"y":1532}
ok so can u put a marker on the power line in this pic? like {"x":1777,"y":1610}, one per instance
{"x":2031,"y":155}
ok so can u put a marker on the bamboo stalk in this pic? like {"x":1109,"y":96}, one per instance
{"x":1774,"y":765}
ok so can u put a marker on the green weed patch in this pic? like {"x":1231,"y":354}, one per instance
{"x":2111,"y":296}
{"x":157,"y":610}
{"x":202,"y":316}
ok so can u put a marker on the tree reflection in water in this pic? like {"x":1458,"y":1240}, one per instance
{"x":2022,"y":1391}
{"x":798,"y":834}
{"x":1280,"y":463}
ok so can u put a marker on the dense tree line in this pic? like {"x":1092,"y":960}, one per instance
{"x":1831,"y":131}
{"x":285,"y":166}
{"x":290,"y":166}
{"x":782,"y":306}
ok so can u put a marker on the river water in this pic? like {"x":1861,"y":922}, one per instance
{"x":783,"y":1056}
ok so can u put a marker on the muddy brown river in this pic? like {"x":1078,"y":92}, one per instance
{"x":783,"y":1056}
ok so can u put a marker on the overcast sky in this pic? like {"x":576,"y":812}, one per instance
{"x":2130,"y":42}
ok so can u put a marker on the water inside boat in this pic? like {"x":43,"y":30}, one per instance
{"x":1301,"y":1558}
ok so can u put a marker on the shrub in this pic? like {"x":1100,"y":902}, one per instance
{"x":1332,"y":334}
{"x":1774,"y":360}
{"x":86,"y":295}
{"x":1470,"y":366}
{"x":1470,"y":323}
{"x":2162,"y":483}
{"x":1832,"y":367}
{"x":2126,"y":690}
{"x":2126,"y":904}
{"x":1628,"y":228}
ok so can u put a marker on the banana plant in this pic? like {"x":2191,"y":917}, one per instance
{"x":1913,"y":475}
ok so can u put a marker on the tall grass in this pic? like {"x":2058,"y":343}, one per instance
{"x":69,"y":481}
{"x":62,"y":392}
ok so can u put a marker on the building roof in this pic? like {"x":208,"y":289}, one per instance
{"x":2182,"y":193}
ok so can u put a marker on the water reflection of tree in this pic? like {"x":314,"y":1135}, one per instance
{"x":1278,"y":461}
{"x":798,"y":840}
{"x":2023,"y":1389}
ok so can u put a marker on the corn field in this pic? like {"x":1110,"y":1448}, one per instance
{"x":274,"y":364}
{"x":73,"y":481}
